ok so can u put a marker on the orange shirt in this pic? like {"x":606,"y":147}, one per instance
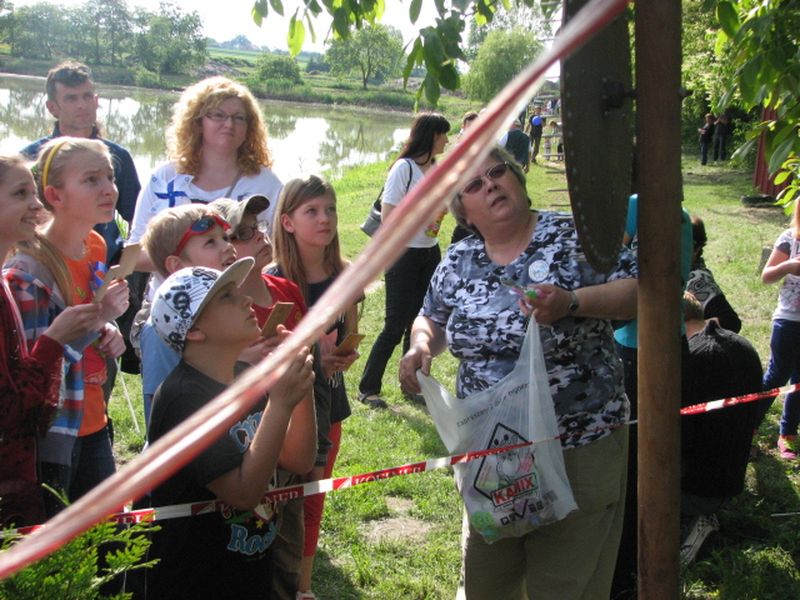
{"x":87,"y":275}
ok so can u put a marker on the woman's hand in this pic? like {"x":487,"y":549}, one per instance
{"x":115,"y":301}
{"x":418,"y":357}
{"x":74,"y":322}
{"x":610,"y":300}
{"x":550,"y":303}
{"x":111,"y":342}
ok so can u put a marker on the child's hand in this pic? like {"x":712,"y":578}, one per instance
{"x":258,"y":350}
{"x":296,"y":383}
{"x":74,"y":322}
{"x":792,"y":266}
{"x":273,"y":342}
{"x":337,"y":362}
{"x":115,"y":301}
{"x":253,"y":354}
{"x":111,"y":342}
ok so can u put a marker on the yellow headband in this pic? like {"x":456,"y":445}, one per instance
{"x":49,"y":160}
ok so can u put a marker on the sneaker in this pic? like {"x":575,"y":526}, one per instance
{"x":788,"y":447}
{"x":701,"y":528}
{"x":373,"y":401}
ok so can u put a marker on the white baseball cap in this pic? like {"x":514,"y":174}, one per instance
{"x":184,"y":294}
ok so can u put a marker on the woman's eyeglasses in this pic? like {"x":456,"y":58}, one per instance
{"x":474,"y":186}
{"x":245,"y":233}
{"x":199,"y":227}
{"x":220,"y":116}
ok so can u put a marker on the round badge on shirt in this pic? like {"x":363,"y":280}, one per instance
{"x":538,"y":271}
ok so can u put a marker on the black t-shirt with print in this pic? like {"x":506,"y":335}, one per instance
{"x":221,"y":554}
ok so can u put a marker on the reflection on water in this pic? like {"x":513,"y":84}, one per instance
{"x":304,"y":139}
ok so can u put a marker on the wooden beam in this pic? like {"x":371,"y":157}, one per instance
{"x":658,"y":62}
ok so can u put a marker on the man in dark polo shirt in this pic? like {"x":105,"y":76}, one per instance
{"x":72,"y":100}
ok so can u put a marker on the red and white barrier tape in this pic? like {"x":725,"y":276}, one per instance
{"x":704,"y":407}
{"x":324,"y":486}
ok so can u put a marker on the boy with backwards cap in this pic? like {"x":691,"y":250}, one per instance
{"x":202,"y":315}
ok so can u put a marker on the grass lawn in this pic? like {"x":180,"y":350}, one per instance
{"x":400,"y":538}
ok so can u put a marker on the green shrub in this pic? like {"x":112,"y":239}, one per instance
{"x":273,"y":67}
{"x":74,"y":572}
{"x":145,"y":78}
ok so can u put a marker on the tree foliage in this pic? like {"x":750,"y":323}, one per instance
{"x":437,"y":48}
{"x":704,"y":72}
{"x":106,"y":32}
{"x":172,"y":41}
{"x":528,"y":18}
{"x":761,"y":39}
{"x":373,"y":52}
{"x":280,"y":67}
{"x":500,"y":58}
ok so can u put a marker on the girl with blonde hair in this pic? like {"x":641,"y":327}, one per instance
{"x":306,"y":251}
{"x":29,"y":377}
{"x":61,"y":267}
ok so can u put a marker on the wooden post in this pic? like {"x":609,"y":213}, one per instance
{"x":658,"y":60}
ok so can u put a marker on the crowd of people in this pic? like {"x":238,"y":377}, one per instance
{"x":224,"y":243}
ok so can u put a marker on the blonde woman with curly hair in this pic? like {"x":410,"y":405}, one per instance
{"x":217,"y":148}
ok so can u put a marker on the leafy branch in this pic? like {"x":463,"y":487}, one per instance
{"x":761,"y":39}
{"x":437,"y":48}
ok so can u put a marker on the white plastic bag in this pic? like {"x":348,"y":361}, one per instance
{"x":512,"y":493}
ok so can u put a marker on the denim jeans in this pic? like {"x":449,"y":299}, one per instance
{"x":92,"y":462}
{"x":406,"y":284}
{"x":784,"y":365}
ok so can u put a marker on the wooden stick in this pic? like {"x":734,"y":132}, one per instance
{"x":658,"y":61}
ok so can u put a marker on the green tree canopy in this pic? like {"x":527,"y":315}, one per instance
{"x":36,"y":31}
{"x":372,"y":52}
{"x":437,"y":48}
{"x":500,"y":58}
{"x":275,"y":66}
{"x":106,"y":32}
{"x":761,"y":41}
{"x":171,"y":41}
{"x":524,"y":17}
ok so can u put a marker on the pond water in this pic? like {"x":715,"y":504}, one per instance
{"x":304,"y":138}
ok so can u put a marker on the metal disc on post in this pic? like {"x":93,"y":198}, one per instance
{"x":596,"y":112}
